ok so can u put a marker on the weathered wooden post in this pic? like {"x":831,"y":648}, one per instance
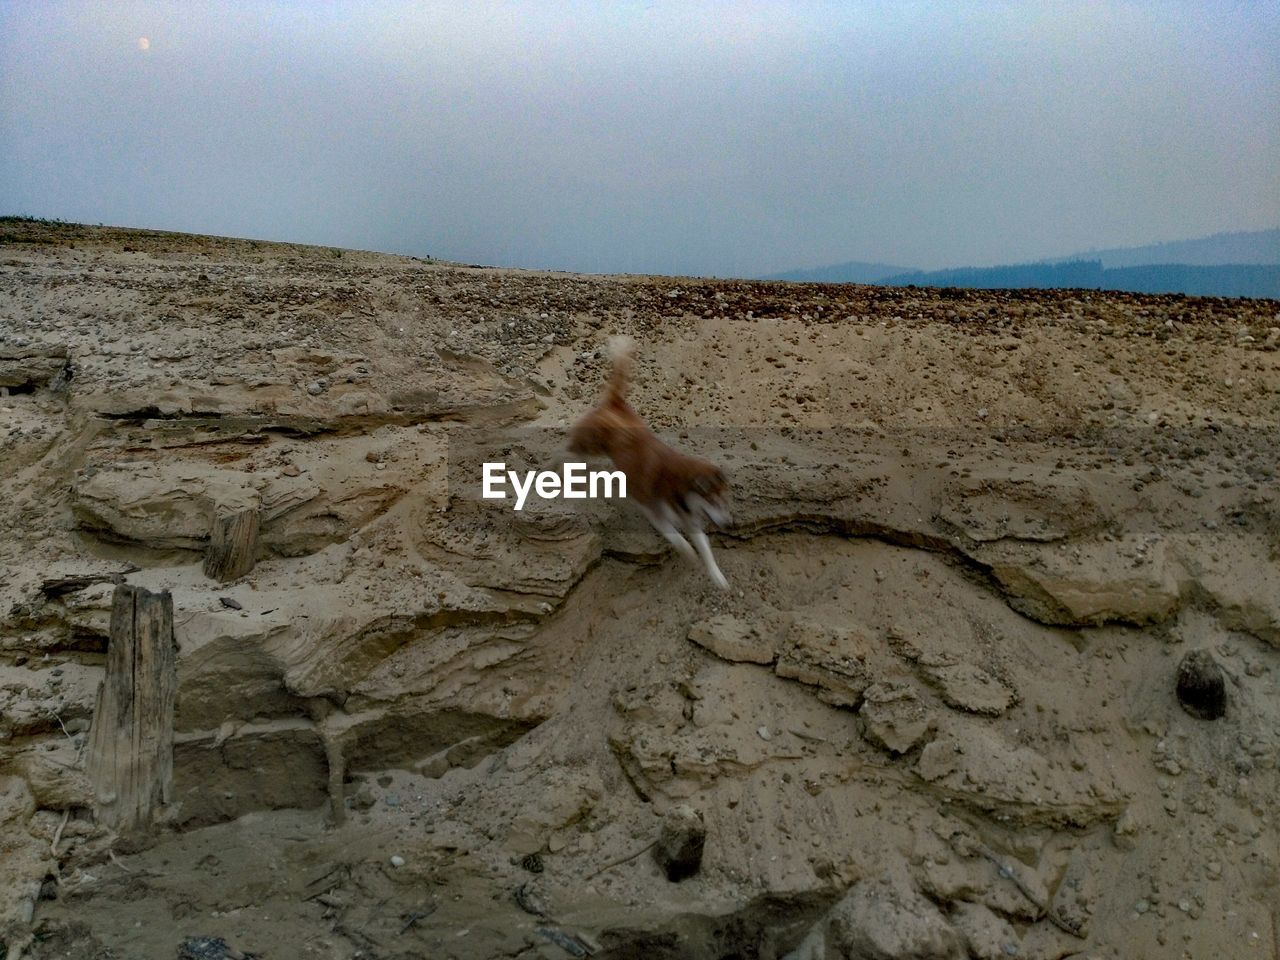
{"x":130,"y":761}
{"x":334,"y":755}
{"x":233,"y":545}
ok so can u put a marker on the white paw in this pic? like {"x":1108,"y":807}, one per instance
{"x":718,"y":578}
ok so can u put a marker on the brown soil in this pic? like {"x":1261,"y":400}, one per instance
{"x":935,"y":715}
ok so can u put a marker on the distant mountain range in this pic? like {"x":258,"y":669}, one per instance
{"x":1223,"y":265}
{"x":1258,"y":246}
{"x":1223,"y":280}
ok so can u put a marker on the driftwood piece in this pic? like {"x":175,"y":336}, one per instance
{"x":61,"y":586}
{"x":130,"y":761}
{"x":233,"y":546}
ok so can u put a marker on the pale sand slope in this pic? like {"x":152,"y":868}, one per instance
{"x":974,"y":535}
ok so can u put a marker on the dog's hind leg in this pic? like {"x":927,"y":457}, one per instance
{"x":672,"y":533}
{"x":679,"y":542}
{"x":704,"y":549}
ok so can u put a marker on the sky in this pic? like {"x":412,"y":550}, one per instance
{"x":727,"y":139}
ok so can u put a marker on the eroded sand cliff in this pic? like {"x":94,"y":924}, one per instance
{"x":975,"y":532}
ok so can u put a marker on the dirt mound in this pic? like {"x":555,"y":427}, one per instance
{"x":974,"y":535}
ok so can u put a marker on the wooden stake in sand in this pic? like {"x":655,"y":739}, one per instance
{"x":334,"y":754}
{"x":130,"y":761}
{"x":233,"y":545}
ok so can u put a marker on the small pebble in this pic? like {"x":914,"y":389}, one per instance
{"x":397,"y":860}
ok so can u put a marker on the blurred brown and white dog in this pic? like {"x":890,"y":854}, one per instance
{"x":679,"y":494}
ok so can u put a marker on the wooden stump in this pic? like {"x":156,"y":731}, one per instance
{"x":233,"y":546}
{"x":130,"y":761}
{"x":337,"y":762}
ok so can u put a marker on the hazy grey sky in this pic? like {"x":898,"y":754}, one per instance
{"x":706,"y":138}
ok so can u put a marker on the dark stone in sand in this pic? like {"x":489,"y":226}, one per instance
{"x":1201,"y":687}
{"x":679,"y":847}
{"x":210,"y":948}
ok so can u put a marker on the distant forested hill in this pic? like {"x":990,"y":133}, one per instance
{"x":1221,"y":249}
{"x":1242,"y":264}
{"x":1224,"y":280}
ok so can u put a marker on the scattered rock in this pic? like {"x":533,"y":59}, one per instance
{"x":28,"y":367}
{"x":970,"y":688}
{"x":172,"y":504}
{"x":663,"y":752}
{"x":1125,"y":832}
{"x":1048,"y":510}
{"x":434,"y":766}
{"x":363,"y":798}
{"x":894,"y":718}
{"x":53,"y":777}
{"x":887,"y":918}
{"x":1077,"y":891}
{"x":1201,"y":688}
{"x":66,"y":940}
{"x":989,"y":937}
{"x":974,"y":878}
{"x":982,"y":769}
{"x":1096,"y":583}
{"x":22,"y":855}
{"x":564,"y":801}
{"x":833,"y":659}
{"x":1241,"y":579}
{"x":734,"y":640}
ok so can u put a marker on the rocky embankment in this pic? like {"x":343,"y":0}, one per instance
{"x":975,"y":533}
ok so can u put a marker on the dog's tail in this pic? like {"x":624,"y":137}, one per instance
{"x":621,"y":349}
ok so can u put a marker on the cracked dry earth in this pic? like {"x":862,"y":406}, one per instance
{"x":975,"y":533}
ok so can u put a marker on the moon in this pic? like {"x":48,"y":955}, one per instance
{"x":144,"y":43}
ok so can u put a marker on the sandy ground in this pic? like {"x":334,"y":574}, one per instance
{"x":975,"y":533}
